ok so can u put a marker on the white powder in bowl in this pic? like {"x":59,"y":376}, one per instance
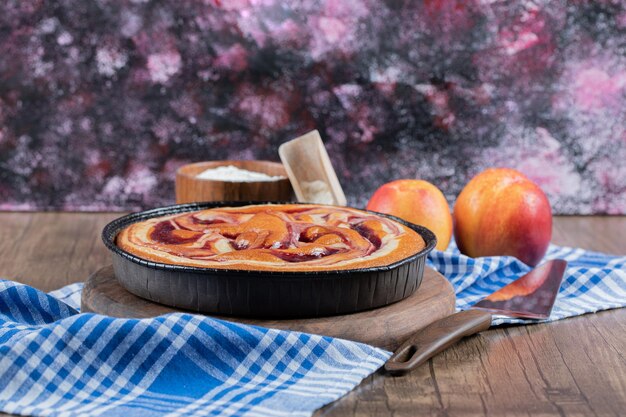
{"x":230,"y":173}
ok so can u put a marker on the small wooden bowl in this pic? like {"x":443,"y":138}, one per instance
{"x":190,"y":189}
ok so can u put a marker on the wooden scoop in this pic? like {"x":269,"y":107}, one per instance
{"x":310,"y":171}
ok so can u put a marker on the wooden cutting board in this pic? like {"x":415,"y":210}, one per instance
{"x":386,"y":327}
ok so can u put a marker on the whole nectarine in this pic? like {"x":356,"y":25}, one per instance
{"x":418,"y":202}
{"x":501,"y":212}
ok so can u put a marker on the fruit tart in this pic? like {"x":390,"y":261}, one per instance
{"x":272,"y":237}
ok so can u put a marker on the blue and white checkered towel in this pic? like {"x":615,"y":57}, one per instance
{"x":57,"y":362}
{"x":592,"y":282}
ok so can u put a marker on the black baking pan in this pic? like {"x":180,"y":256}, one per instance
{"x":263,"y":294}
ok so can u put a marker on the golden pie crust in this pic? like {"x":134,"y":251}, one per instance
{"x":272,"y":237}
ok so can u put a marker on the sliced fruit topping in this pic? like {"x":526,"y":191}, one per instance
{"x":304,"y":253}
{"x":371,"y":230}
{"x":278,"y":236}
{"x":166,"y":232}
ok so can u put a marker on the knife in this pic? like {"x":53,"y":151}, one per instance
{"x":530,"y":296}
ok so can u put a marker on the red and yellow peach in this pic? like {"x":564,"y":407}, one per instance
{"x":502,"y":212}
{"x":418,"y":202}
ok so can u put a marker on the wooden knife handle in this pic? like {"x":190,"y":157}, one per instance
{"x":436,"y":337}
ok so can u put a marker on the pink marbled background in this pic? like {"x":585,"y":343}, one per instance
{"x":100,"y":102}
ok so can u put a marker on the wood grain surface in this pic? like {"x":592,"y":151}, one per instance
{"x":386,"y":327}
{"x":575,"y":367}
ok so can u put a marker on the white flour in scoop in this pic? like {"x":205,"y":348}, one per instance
{"x":317,"y":192}
{"x":231,"y":173}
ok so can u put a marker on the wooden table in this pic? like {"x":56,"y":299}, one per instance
{"x":576,"y":367}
